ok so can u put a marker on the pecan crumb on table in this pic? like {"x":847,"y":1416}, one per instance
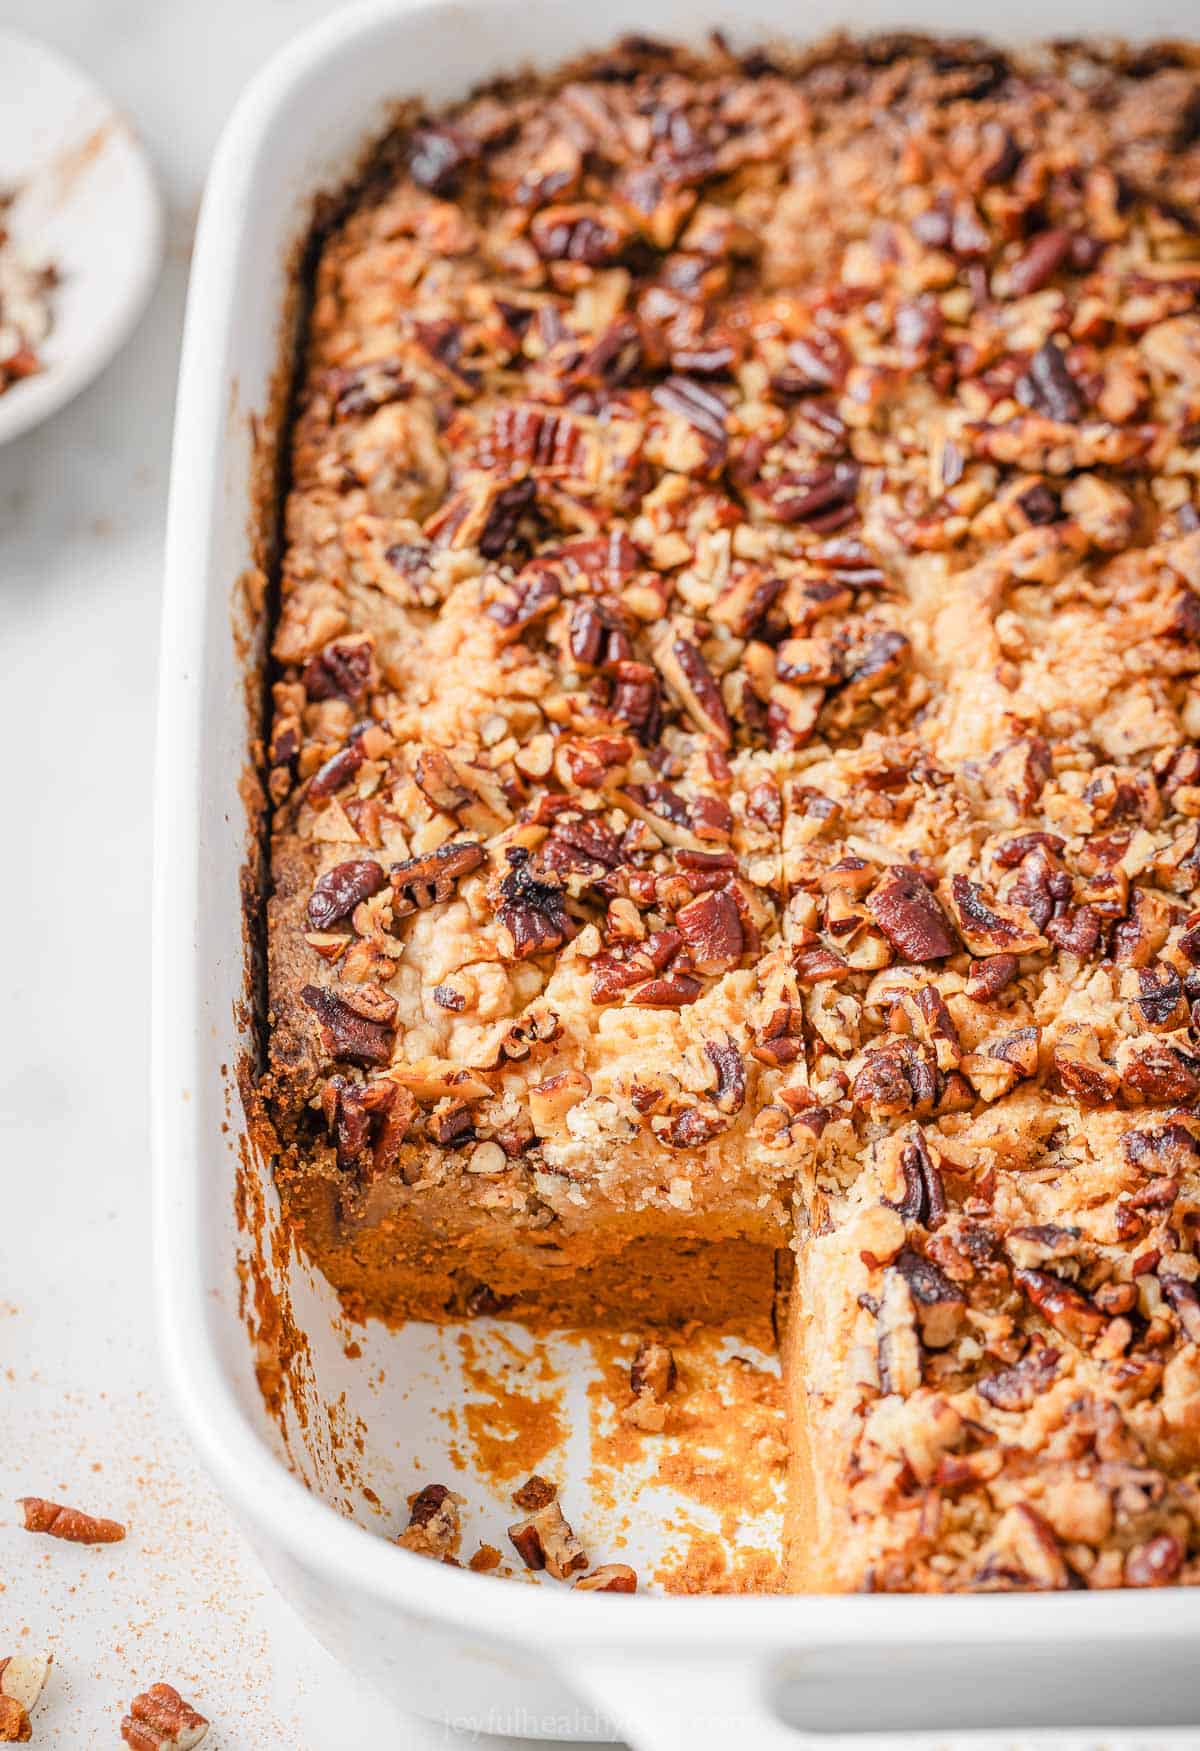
{"x":71,"y":1524}
{"x":736,"y":767}
{"x":26,"y":285}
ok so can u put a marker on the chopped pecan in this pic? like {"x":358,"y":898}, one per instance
{"x":823,"y":498}
{"x":500,"y":527}
{"x":608,"y":1578}
{"x":69,"y":1523}
{"x":908,"y":913}
{"x":14,"y":1720}
{"x":1018,"y":1388}
{"x":434,"y":1526}
{"x":813,"y":962}
{"x":532,"y":915}
{"x":339,"y":890}
{"x":1155,"y":1563}
{"x":690,"y":1129}
{"x":438,"y":155}
{"x":1082,"y":1071}
{"x":159,"y":1718}
{"x":924,"y":1199}
{"x":702,"y":407}
{"x":439,"y":782}
{"x":1066,"y":1308}
{"x":545,"y":1541}
{"x":987,"y":978}
{"x":1184,"y":1299}
{"x":341,"y":671}
{"x":1172,"y":1149}
{"x":938,"y":1304}
{"x":536,"y":1492}
{"x":673,"y":990}
{"x":368,"y":1121}
{"x":1039,"y":261}
{"x":899,"y":1076}
{"x":534,"y":593}
{"x":539,"y":437}
{"x":432,"y":878}
{"x":730,"y":1094}
{"x":338,"y":770}
{"x":1049,"y":387}
{"x":990,"y":928}
{"x":1162,"y":1073}
{"x":592,"y":236}
{"x":358,"y":1025}
{"x":690,"y":679}
{"x":711,"y":926}
{"x":1023,"y":1551}
{"x":22,"y":1679}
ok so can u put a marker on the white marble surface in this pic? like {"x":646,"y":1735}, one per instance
{"x":83,"y":1411}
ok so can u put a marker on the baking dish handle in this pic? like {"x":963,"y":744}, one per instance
{"x":681,"y":1704}
{"x":675,"y":1703}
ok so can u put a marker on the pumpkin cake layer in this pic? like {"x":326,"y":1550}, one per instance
{"x":734,"y":764}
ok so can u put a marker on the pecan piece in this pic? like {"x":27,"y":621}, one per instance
{"x":1184,"y":1299}
{"x":358,"y":1026}
{"x":1155,"y":1563}
{"x":428,"y":880}
{"x":1039,"y":261}
{"x":439,"y":783}
{"x":1017,"y":1388}
{"x":534,"y":593}
{"x":338,"y":770}
{"x":1024,"y":1552}
{"x":14,"y":1721}
{"x":907,"y":911}
{"x":592,"y":236}
{"x":711,"y":926}
{"x":341,"y":671}
{"x":671,"y":991}
{"x":690,"y":679}
{"x":438,"y":154}
{"x":1172,"y":1149}
{"x":500,"y":526}
{"x":536,"y":1492}
{"x":938,"y":1304}
{"x":69,"y":1523}
{"x":434,"y":1527}
{"x":652,"y":1378}
{"x":924,"y":1199}
{"x":1063,"y":1306}
{"x":1048,"y":386}
{"x":1160,"y":1072}
{"x":726,"y":1060}
{"x":546,"y":1541}
{"x":160,"y":1718}
{"x":608,"y":1578}
{"x":994,"y":928}
{"x":339,"y":890}
{"x":532,"y":916}
{"x":1082,"y":1071}
{"x":22,"y":1680}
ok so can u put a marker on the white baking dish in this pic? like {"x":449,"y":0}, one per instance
{"x":438,"y":1640}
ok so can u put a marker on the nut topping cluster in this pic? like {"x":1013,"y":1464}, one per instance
{"x":737,"y":736}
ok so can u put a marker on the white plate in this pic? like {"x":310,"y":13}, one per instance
{"x":89,"y":204}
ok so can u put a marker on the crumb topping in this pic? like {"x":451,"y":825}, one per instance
{"x":736,"y":737}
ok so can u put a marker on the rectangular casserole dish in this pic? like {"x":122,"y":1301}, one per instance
{"x":436,"y":1640}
